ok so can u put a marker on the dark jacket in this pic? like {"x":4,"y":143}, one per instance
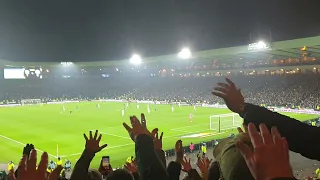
{"x":301,"y":137}
{"x":162,"y":157}
{"x":80,"y":171}
{"x":174,"y":170}
{"x":149,"y":163}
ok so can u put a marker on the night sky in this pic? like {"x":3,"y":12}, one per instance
{"x":95,"y":30}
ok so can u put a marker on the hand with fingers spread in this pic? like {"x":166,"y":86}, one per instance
{"x":204,"y":164}
{"x":137,"y":128}
{"x":231,"y":95}
{"x":186,"y":165}
{"x":92,"y":143}
{"x":158,"y":141}
{"x":29,"y":171}
{"x":270,"y":158}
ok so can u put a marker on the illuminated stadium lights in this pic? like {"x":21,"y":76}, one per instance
{"x":66,"y":63}
{"x":261,"y":45}
{"x":185,"y":53}
{"x":135,"y":59}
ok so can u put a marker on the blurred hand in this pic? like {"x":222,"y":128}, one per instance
{"x":29,"y":171}
{"x":230,"y":94}
{"x":179,"y":151}
{"x":132,"y":167}
{"x":137,"y":128}
{"x":203,"y":165}
{"x":245,"y":127}
{"x":158,"y":141}
{"x":27,"y":149}
{"x":270,"y":158}
{"x":186,"y":166}
{"x":92,"y":143}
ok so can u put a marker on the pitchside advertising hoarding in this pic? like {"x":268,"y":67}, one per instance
{"x":22,"y":73}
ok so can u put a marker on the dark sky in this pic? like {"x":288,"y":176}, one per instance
{"x":66,"y":30}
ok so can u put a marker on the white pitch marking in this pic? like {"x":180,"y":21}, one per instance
{"x":124,"y":137}
{"x":18,"y":142}
{"x":112,"y":147}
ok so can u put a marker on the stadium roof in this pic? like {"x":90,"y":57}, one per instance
{"x":278,"y":50}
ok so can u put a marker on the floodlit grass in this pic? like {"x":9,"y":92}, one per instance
{"x":46,"y":126}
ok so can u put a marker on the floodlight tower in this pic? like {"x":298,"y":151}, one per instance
{"x":185,"y":53}
{"x":135,"y":59}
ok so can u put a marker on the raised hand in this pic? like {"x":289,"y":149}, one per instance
{"x":231,"y":95}
{"x":245,"y":127}
{"x":186,"y":165}
{"x":136,"y":129}
{"x":28,"y":169}
{"x":92,"y":143}
{"x":270,"y":158}
{"x":204,"y":164}
{"x":158,"y":141}
{"x":27,"y":149}
{"x":132,"y":167}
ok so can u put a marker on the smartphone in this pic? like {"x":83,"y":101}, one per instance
{"x":105,"y":161}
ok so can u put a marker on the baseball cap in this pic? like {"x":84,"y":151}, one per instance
{"x":232,"y":165}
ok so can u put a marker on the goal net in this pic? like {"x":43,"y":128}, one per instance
{"x":223,"y":122}
{"x":30,"y":101}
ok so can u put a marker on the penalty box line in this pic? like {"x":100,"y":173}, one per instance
{"x":18,"y":142}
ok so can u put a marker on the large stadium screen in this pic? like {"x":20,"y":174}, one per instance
{"x":22,"y":73}
{"x":14,"y":73}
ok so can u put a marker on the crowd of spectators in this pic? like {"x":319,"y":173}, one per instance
{"x":260,"y":151}
{"x":274,"y":90}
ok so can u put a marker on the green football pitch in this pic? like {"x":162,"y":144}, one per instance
{"x":48,"y":127}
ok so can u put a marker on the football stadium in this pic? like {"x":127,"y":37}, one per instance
{"x":161,"y":90}
{"x":176,"y":99}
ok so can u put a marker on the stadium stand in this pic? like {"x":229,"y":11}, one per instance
{"x":246,"y":154}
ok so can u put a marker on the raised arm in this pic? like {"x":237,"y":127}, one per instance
{"x":301,"y":137}
{"x":91,"y":148}
{"x":149,"y":164}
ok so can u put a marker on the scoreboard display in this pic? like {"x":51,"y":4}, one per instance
{"x":23,"y":73}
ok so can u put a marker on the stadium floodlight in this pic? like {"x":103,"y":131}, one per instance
{"x":185,"y":53}
{"x":66,"y":63}
{"x":135,"y":59}
{"x":261,"y":45}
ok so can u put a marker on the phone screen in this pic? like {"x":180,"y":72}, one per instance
{"x":105,"y":161}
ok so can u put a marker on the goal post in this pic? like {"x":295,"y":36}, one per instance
{"x":223,"y":122}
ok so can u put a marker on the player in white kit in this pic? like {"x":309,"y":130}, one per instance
{"x":148,"y":109}
{"x":172,"y":108}
{"x":194,"y":108}
{"x":63,"y":109}
{"x":122,"y":112}
{"x":138,"y":106}
{"x":98,"y":105}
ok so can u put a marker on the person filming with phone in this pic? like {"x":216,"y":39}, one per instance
{"x":105,"y":166}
